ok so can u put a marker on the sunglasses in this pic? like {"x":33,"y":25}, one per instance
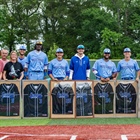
{"x":106,"y":53}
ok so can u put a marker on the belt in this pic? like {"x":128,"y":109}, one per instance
{"x":36,"y":71}
{"x":127,"y":78}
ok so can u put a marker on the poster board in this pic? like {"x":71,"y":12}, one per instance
{"x":10,"y":98}
{"x":84,"y":99}
{"x":126,"y":98}
{"x":35,"y":99}
{"x":104,"y":98}
{"x":62,"y":104}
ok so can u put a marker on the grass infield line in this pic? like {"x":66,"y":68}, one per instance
{"x":2,"y":138}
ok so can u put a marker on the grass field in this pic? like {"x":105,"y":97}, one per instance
{"x":81,"y":121}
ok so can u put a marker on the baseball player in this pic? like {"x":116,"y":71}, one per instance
{"x":79,"y":65}
{"x":58,"y":68}
{"x":22,"y":58}
{"x":36,"y":64}
{"x":127,"y":66}
{"x":104,"y":69}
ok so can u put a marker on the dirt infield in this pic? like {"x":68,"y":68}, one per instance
{"x":81,"y":132}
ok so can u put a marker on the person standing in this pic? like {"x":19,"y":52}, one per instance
{"x":58,"y":68}
{"x":79,"y":65}
{"x":4,"y":55}
{"x":13,"y":69}
{"x":36,"y":64}
{"x":104,"y":69}
{"x":1,"y":69}
{"x":22,"y":58}
{"x":128,"y":67}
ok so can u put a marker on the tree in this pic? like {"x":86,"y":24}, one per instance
{"x":111,"y":39}
{"x":21,"y":21}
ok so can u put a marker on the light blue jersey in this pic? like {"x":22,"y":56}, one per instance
{"x":36,"y":61}
{"x":128,"y":68}
{"x":104,"y":68}
{"x":58,"y":68}
{"x":22,"y":61}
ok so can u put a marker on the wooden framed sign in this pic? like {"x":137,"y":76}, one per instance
{"x":10,"y":97}
{"x":104,"y":98}
{"x":126,"y":98}
{"x":35,"y":98}
{"x":62,"y":99}
{"x":84,"y":99}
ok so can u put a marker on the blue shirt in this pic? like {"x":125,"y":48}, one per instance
{"x":22,"y":61}
{"x":128,"y":68}
{"x":79,"y":66}
{"x":58,"y":68}
{"x":36,"y":61}
{"x":104,"y":68}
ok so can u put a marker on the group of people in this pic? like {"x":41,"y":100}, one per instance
{"x":36,"y":66}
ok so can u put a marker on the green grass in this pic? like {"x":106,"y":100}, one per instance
{"x":78,"y":121}
{"x":23,"y":122}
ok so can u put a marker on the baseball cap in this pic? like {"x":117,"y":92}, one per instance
{"x":59,"y":50}
{"x":80,"y":47}
{"x":22,"y":48}
{"x":127,"y":50}
{"x":39,"y":42}
{"x":106,"y":50}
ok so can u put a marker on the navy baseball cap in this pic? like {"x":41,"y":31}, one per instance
{"x":80,"y":47}
{"x":59,"y":50}
{"x":106,"y":50}
{"x":22,"y":48}
{"x":127,"y":50}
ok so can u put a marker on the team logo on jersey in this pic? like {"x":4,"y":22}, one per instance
{"x":105,"y":96}
{"x":84,"y":62}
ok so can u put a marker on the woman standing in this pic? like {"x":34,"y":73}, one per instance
{"x":13,"y":69}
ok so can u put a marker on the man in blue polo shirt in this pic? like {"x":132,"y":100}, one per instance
{"x":128,"y":67}
{"x":104,"y":69}
{"x":58,"y":68}
{"x":79,"y":65}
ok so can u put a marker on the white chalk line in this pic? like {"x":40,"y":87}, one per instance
{"x":4,"y":137}
{"x":72,"y":137}
{"x":124,"y":137}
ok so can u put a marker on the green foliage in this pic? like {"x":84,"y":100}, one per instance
{"x":94,"y":23}
{"x":51,"y":53}
{"x":138,"y":56}
{"x":93,"y":56}
{"x":111,"y":39}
